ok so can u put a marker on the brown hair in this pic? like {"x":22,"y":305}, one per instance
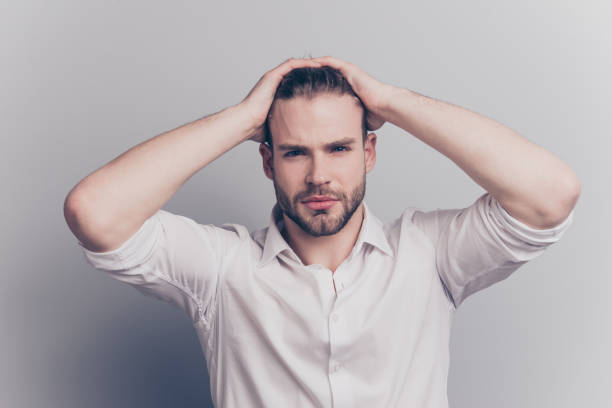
{"x":309,"y":82}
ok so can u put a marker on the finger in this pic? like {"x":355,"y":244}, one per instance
{"x":332,"y":61}
{"x":344,"y":67}
{"x":299,"y":61}
{"x":329,"y":58}
{"x":293,"y":63}
{"x":272,"y":78}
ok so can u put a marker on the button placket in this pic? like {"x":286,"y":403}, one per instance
{"x":339,"y":277}
{"x":334,"y":328}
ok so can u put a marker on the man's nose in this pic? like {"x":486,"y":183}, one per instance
{"x":318,"y":173}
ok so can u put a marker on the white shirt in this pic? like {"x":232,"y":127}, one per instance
{"x":275,"y":333}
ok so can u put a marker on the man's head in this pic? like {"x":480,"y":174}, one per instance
{"x":310,"y":82}
{"x":320,"y":148}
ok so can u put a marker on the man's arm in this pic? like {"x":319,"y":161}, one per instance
{"x":108,"y":206}
{"x":530,"y":183}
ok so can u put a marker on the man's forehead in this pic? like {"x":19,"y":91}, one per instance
{"x":320,"y":120}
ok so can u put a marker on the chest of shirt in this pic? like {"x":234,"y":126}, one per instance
{"x":373,"y":302}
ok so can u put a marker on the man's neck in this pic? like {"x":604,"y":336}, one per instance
{"x":329,"y":251}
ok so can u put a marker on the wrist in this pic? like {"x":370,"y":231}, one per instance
{"x":392,"y":94}
{"x":398,"y":102}
{"x":249,"y":125}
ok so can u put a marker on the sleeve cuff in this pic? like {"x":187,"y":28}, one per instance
{"x":527,"y":233}
{"x":132,"y":252}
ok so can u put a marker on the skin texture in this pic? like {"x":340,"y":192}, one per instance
{"x":318,"y":149}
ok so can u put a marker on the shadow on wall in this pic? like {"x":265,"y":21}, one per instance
{"x":137,"y":362}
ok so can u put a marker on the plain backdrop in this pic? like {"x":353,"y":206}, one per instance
{"x":82,"y":82}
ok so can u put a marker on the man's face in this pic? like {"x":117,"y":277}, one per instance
{"x":319,"y":155}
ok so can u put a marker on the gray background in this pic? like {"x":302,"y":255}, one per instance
{"x":83,"y":82}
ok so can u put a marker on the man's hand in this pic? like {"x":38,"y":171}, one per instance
{"x":260,"y":98}
{"x":373,"y":93}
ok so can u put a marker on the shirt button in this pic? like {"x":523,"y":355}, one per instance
{"x":334,"y":318}
{"x":337,"y":367}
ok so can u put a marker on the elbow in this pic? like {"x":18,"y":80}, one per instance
{"x":560,"y":205}
{"x":70,"y":210}
{"x":80,"y":214}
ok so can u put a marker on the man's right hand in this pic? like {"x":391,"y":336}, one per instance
{"x":260,"y":98}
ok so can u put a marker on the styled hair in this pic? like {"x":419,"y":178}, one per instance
{"x":309,"y":82}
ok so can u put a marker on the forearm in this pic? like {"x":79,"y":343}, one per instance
{"x":531,"y":183}
{"x":111,"y":203}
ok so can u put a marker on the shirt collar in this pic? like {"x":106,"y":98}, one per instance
{"x":371,"y":232}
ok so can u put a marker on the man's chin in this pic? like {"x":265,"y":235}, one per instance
{"x":310,"y":214}
{"x":320,"y":224}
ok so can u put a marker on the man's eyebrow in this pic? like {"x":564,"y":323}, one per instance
{"x":345,"y":141}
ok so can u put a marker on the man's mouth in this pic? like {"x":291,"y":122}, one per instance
{"x":316,"y":202}
{"x":318,"y":198}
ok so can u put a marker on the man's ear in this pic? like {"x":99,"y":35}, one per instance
{"x":266,"y":155}
{"x":369,"y":149}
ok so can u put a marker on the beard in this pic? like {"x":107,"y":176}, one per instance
{"x":322,"y":222}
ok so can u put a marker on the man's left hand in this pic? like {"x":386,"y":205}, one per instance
{"x":373,"y":93}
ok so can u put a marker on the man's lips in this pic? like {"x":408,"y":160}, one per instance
{"x":318,"y":198}
{"x":319,"y":202}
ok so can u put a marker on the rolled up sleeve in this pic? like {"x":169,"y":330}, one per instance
{"x":172,"y":258}
{"x":482,"y":244}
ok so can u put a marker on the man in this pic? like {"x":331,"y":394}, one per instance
{"x":327,"y":306}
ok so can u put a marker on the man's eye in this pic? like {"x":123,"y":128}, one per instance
{"x":340,"y":148}
{"x":293,"y":153}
